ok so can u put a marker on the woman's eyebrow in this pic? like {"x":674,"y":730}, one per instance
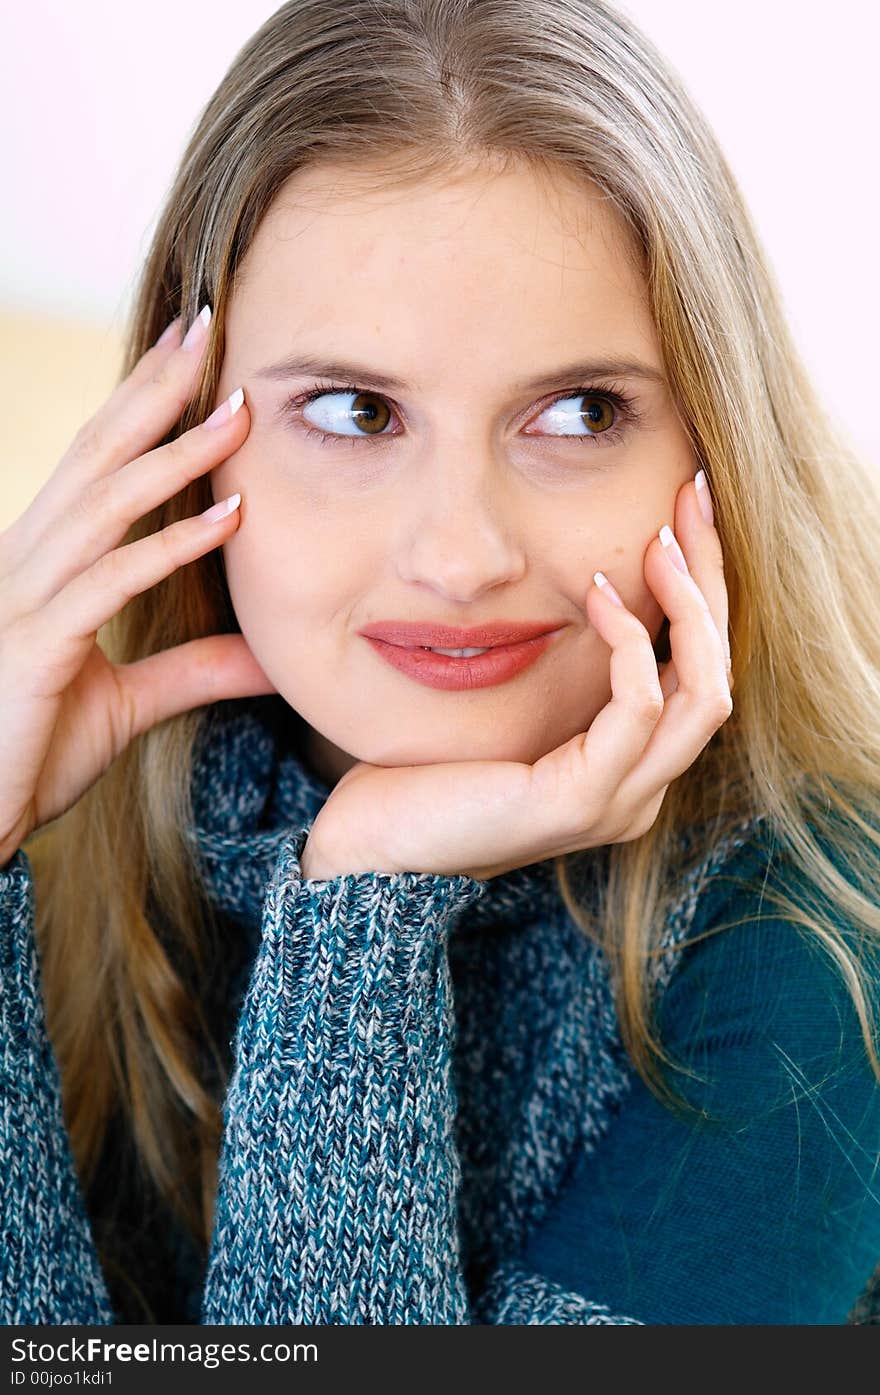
{"x":312,"y":365}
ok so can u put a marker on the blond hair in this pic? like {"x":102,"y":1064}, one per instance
{"x":414,"y":89}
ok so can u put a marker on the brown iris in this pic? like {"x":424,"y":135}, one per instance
{"x":594,"y":414}
{"x":370,"y":413}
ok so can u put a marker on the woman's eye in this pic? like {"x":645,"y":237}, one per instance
{"x":581,"y":415}
{"x":333,"y":412}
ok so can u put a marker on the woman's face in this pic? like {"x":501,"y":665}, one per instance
{"x":486,"y":483}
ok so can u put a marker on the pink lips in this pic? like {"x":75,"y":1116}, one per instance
{"x":410,"y":634}
{"x":500,"y":662}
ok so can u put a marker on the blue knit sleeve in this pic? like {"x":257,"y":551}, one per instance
{"x":338,"y":1175}
{"x":767,"y":1208}
{"x":49,"y":1268}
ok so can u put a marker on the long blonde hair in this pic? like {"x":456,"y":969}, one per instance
{"x":415,"y":88}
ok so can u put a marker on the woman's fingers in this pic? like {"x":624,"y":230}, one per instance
{"x":108,"y":506}
{"x":613,"y":778}
{"x":73,"y":617}
{"x":587,"y":771}
{"x":140,"y":411}
{"x":194,"y":674}
{"x":577,"y":782}
{"x":67,"y":711}
{"x":702,"y":702}
{"x":701,"y":544}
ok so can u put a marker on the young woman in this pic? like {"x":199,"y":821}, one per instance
{"x":344,"y":981}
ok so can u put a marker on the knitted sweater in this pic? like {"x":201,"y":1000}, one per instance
{"x":425,"y":1071}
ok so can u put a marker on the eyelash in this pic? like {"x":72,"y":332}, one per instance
{"x":628,"y":414}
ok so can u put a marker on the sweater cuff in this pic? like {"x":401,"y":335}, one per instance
{"x":21,"y":1002}
{"x":405,"y":899}
{"x":516,"y":1297}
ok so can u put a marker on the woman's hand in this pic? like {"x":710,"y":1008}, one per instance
{"x":483,"y":818}
{"x":65,"y":712}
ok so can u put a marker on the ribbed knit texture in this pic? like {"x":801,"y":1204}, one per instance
{"x":418,"y":1062}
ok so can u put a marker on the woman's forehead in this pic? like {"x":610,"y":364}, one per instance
{"x":494,"y":240}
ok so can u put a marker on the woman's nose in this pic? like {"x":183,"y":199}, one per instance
{"x":460,"y":534}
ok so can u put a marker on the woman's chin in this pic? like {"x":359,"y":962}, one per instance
{"x":443,"y":753}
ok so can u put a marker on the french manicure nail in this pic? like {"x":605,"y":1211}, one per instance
{"x":227,"y":409}
{"x":198,"y":330}
{"x":604,"y":584}
{"x":673,"y":551}
{"x":218,"y":511}
{"x":704,"y":499}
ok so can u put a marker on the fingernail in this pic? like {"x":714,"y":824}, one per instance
{"x":703,"y":497}
{"x":198,"y":330}
{"x":218,"y":511}
{"x":168,"y":333}
{"x":604,"y":584}
{"x":673,"y":551}
{"x":226,"y":410}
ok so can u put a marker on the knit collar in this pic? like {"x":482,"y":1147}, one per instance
{"x":252,"y":786}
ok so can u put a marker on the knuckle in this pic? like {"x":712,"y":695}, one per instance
{"x":631,"y":825}
{"x":168,"y":382}
{"x":92,"y":500}
{"x":651,"y":705}
{"x":172,"y":540}
{"x":640,"y":828}
{"x":108,"y":569}
{"x":174,"y":545}
{"x":167,"y":397}
{"x":181,"y":463}
{"x":175,"y":452}
{"x":87,"y":442}
{"x":647,"y":815}
{"x":719,"y":706}
{"x":163,"y":378}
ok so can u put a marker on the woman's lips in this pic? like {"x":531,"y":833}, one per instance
{"x":499,"y":664}
{"x":409,"y":633}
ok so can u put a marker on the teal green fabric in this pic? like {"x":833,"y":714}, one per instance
{"x":770,"y":1211}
